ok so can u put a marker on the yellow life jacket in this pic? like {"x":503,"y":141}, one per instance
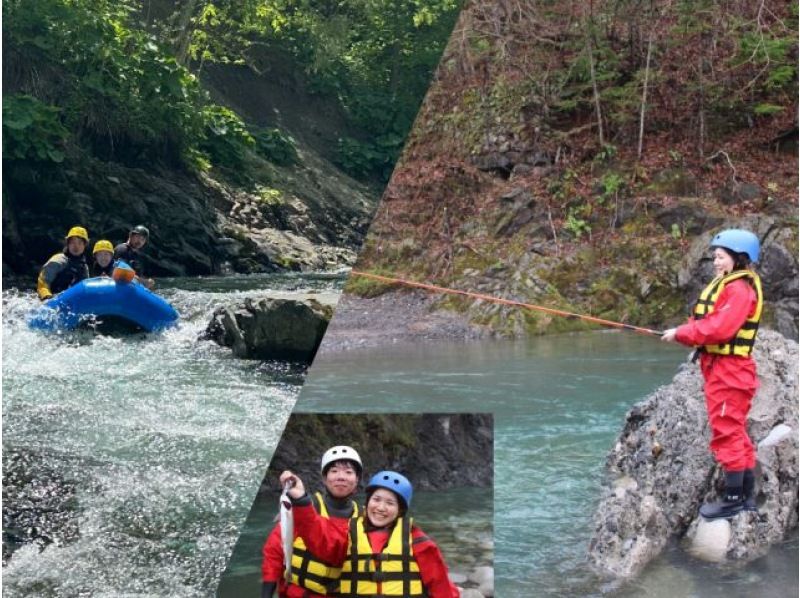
{"x":307,"y":570}
{"x":742,"y":343}
{"x":395,"y":568}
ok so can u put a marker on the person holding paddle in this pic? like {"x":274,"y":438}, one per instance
{"x":309,"y":576}
{"x":382,"y":552}
{"x":723,"y":328}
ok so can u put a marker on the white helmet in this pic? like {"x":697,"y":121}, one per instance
{"x":341,"y":453}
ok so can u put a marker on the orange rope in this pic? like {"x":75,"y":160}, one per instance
{"x":549,"y":310}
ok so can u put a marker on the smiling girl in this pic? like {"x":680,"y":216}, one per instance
{"x":382,"y":553}
{"x":723,"y":328}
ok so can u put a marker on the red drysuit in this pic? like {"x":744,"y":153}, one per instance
{"x":730,"y":380}
{"x":329,"y":541}
{"x":272,"y":561}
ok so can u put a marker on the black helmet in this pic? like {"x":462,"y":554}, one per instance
{"x":141,"y":230}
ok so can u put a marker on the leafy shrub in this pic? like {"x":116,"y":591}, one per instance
{"x":120,"y":93}
{"x":612,"y":184}
{"x":276,"y":146}
{"x":226,"y":138}
{"x":576,"y":225}
{"x":362,"y":159}
{"x":32,"y":130}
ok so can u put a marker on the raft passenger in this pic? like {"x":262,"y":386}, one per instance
{"x":103,"y":253}
{"x":130,"y":252}
{"x":723,"y":327}
{"x":381,"y":553}
{"x":341,"y":471}
{"x":66,"y":268}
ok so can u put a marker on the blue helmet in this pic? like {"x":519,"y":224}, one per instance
{"x":396,"y":482}
{"x":738,"y":241}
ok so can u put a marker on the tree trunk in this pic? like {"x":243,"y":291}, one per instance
{"x":598,"y":111}
{"x":183,"y":33}
{"x":644,"y":96}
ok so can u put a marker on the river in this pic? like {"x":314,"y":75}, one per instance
{"x":558,"y":403}
{"x":158,"y":441}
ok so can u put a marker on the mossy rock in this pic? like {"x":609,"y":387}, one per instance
{"x":369,"y":288}
{"x":674,"y":181}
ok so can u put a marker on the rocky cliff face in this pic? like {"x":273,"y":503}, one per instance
{"x":505,"y":187}
{"x":435,"y":450}
{"x":313,"y":219}
{"x":660,"y":471}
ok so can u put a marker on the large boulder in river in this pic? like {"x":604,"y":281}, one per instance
{"x":284,"y":329}
{"x":661,"y":470}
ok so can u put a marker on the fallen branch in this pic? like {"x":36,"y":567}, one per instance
{"x":718,"y":153}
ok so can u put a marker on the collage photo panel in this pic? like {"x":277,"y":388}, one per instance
{"x":419,"y":298}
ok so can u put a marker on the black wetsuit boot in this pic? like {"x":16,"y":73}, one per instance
{"x":733,"y":501}
{"x":749,"y":490}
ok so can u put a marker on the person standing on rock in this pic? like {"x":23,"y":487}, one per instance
{"x":103,"y":254}
{"x":723,"y":328}
{"x":381,"y":553}
{"x":66,"y":268}
{"x":129,"y":252}
{"x":311,"y":576}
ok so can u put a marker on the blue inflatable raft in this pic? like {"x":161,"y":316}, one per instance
{"x":95,"y":298}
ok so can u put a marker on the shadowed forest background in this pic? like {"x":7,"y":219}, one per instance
{"x":250,"y":136}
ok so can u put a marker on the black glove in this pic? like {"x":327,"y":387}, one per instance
{"x":267,"y":589}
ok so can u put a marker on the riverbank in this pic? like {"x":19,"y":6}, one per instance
{"x":392,"y":318}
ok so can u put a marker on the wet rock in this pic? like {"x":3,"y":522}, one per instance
{"x":282,"y":329}
{"x":482,"y":575}
{"x":391,"y":318}
{"x":649,"y":500}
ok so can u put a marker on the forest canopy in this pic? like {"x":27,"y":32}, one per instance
{"x":123,"y":80}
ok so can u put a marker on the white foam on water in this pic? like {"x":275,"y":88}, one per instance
{"x":165,"y":438}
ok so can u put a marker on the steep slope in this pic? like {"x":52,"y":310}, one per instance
{"x":524,"y":178}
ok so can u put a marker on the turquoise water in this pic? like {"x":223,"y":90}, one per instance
{"x":165,"y":439}
{"x":459,"y":520}
{"x":559,"y":403}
